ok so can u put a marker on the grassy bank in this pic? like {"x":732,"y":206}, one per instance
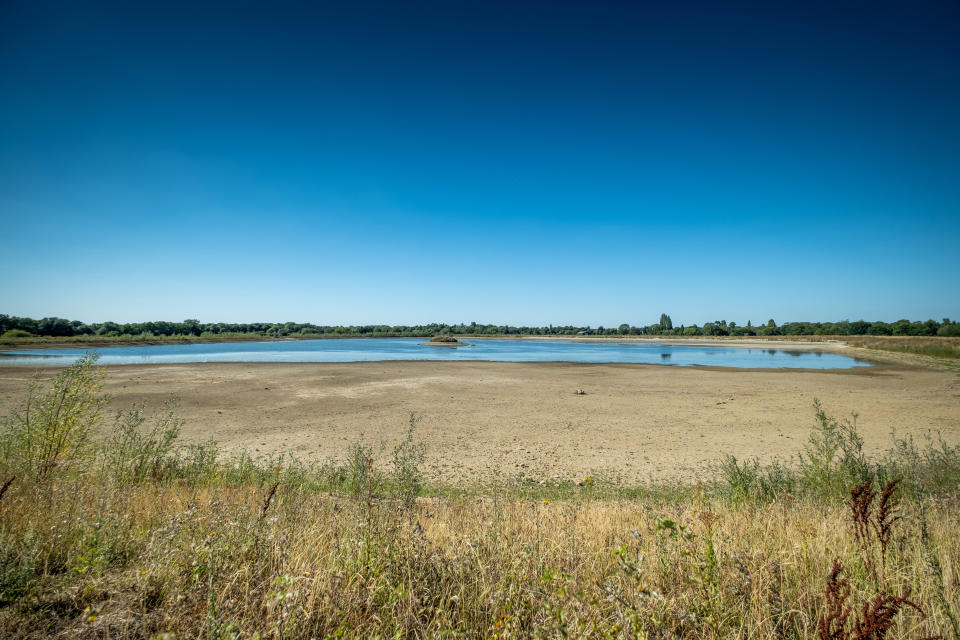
{"x":137,"y":536}
{"x":934,"y":347}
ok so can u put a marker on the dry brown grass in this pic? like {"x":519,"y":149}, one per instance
{"x":927,"y":346}
{"x":101,"y":560}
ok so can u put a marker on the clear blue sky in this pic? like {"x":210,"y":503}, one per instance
{"x":521,"y":163}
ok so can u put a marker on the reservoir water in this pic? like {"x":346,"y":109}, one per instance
{"x":375,"y":349}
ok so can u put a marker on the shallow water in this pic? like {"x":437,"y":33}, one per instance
{"x":374,"y":349}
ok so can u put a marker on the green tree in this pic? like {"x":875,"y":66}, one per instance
{"x":55,"y":327}
{"x":108,"y":328}
{"x":715,"y":329}
{"x":949,"y":330}
{"x":859,"y":328}
{"x":192,"y":326}
{"x":665,"y":321}
{"x":879,"y":329}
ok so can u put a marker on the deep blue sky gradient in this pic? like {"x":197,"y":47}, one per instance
{"x":522,"y":163}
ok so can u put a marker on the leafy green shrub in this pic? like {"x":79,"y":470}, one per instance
{"x":199,"y":463}
{"x":133,"y":454}
{"x":362,"y":478}
{"x":933,"y":468}
{"x":750,"y":480}
{"x":408,"y":455}
{"x":833,"y":458}
{"x":16,"y":574}
{"x":951,"y":330}
{"x":17,"y":333}
{"x":52,"y":428}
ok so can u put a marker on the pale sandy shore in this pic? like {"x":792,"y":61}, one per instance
{"x":487,"y":420}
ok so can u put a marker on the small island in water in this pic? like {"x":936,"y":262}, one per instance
{"x":444,"y":341}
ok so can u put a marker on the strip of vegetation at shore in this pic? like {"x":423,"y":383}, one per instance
{"x":926,"y":339}
{"x":17,"y":328}
{"x":136,"y":536}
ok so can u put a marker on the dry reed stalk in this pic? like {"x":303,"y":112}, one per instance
{"x":833,"y":624}
{"x":6,"y":485}
{"x":269,"y":499}
{"x":887,"y":514}
{"x":877,"y":617}
{"x":861,"y":500}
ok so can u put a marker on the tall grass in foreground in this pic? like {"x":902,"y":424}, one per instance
{"x":138,"y":537}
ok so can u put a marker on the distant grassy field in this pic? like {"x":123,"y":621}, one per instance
{"x":137,"y":536}
{"x":935,"y":347}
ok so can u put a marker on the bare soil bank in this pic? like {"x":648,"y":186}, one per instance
{"x":484,"y":420}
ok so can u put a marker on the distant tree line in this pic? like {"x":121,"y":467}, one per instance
{"x":11,"y":326}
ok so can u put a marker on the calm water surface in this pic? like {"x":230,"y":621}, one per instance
{"x":373,"y":349}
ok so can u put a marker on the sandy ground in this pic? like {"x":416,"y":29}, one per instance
{"x":484,"y":420}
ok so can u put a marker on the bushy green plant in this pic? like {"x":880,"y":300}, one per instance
{"x":831,"y":460}
{"x":751,"y":480}
{"x":933,"y":468}
{"x":362,"y":478}
{"x":16,"y":333}
{"x":133,"y":453}
{"x":833,"y":457}
{"x":52,"y":428}
{"x":199,"y":463}
{"x":408,"y":455}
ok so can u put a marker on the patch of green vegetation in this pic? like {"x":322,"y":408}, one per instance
{"x":16,"y":333}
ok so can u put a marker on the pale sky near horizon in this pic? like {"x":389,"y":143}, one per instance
{"x":529,"y":164}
